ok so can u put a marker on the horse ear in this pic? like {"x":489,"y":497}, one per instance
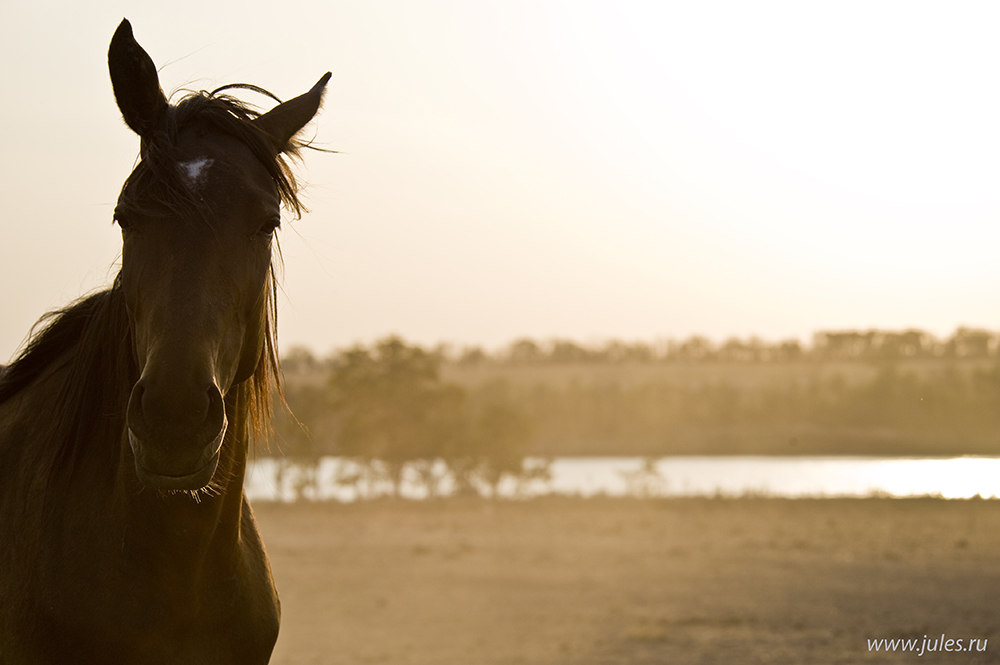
{"x":137,"y":87}
{"x":285,"y":120}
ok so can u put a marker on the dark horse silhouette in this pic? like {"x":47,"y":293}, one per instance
{"x":125,"y":535}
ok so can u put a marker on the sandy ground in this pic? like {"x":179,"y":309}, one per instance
{"x":560,"y":580}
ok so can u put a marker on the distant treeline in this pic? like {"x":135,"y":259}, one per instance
{"x":826,"y":345}
{"x":915,"y":395}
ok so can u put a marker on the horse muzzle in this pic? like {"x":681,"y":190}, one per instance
{"x":176,"y":442}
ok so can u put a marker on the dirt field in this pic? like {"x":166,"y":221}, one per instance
{"x":560,"y":580}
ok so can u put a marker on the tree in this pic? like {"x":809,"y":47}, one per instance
{"x":392,"y":407}
{"x":496,"y":440}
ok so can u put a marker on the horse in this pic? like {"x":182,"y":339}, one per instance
{"x":126,"y":423}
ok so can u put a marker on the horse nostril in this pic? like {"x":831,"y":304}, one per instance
{"x":134,"y":412}
{"x":216,"y":408}
{"x":135,"y":401}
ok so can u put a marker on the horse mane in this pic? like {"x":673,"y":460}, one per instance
{"x":92,"y":335}
{"x":91,"y":340}
{"x":61,"y":332}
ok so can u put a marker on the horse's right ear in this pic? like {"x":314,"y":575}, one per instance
{"x":284,"y":121}
{"x":137,"y":87}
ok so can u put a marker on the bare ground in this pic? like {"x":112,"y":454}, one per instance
{"x":602,"y":581}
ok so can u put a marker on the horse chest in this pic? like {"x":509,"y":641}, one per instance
{"x":135,"y":606}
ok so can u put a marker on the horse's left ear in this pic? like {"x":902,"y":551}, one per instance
{"x":285,"y":120}
{"x":136,"y":84}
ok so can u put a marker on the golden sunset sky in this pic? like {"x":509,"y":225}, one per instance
{"x":584,"y":170}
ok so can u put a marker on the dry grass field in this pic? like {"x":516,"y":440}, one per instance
{"x":603,"y":581}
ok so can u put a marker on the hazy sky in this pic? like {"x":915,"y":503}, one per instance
{"x":575,"y":169}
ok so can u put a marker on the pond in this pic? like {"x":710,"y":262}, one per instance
{"x":341,"y":479}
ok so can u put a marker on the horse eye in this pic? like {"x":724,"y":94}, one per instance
{"x":123,"y":222}
{"x":268,"y":227}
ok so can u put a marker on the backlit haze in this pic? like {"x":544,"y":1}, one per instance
{"x":579,"y":170}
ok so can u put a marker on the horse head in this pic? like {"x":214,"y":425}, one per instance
{"x":197,"y":217}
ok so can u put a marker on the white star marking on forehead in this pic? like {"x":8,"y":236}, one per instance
{"x":196,"y":170}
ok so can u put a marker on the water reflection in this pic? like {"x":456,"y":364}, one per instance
{"x":340,"y":479}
